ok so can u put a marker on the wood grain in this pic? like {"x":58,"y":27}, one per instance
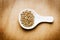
{"x":10,"y":28}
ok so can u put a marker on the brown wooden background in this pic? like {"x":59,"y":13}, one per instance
{"x":10,"y":28}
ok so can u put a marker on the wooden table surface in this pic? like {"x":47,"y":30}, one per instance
{"x":9,"y":25}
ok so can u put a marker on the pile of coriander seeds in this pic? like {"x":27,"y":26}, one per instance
{"x":27,"y":18}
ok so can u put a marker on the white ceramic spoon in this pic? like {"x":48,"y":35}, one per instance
{"x":37,"y":19}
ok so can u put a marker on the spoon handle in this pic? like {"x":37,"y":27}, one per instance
{"x":46,"y":19}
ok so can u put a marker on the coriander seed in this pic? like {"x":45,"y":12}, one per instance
{"x":27,"y":18}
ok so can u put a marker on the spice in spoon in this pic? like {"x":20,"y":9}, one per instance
{"x":27,"y":18}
